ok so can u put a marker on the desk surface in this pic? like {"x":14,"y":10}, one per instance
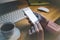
{"x":52,"y":15}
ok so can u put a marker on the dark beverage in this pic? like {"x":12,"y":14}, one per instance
{"x":7,"y":29}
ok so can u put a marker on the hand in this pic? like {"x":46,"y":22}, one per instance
{"x":35,"y":28}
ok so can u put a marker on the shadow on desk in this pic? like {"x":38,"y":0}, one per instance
{"x":25,"y":35}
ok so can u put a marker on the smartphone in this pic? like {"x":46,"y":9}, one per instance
{"x":28,"y":12}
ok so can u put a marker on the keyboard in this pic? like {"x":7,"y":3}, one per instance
{"x":13,"y":16}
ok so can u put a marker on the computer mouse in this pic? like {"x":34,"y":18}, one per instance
{"x":44,"y":9}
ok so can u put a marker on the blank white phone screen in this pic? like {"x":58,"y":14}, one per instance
{"x":30,"y":15}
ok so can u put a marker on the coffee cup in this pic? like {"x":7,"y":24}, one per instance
{"x":7,"y":29}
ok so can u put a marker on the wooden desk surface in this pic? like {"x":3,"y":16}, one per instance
{"x":52,"y":15}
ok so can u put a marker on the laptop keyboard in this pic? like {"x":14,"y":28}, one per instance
{"x":13,"y":16}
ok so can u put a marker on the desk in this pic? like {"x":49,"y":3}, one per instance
{"x":23,"y":24}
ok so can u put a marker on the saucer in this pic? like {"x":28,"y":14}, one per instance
{"x":15,"y":35}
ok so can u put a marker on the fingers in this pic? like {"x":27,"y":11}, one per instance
{"x":35,"y":28}
{"x":39,"y":26}
{"x":30,"y":33}
{"x":32,"y":30}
